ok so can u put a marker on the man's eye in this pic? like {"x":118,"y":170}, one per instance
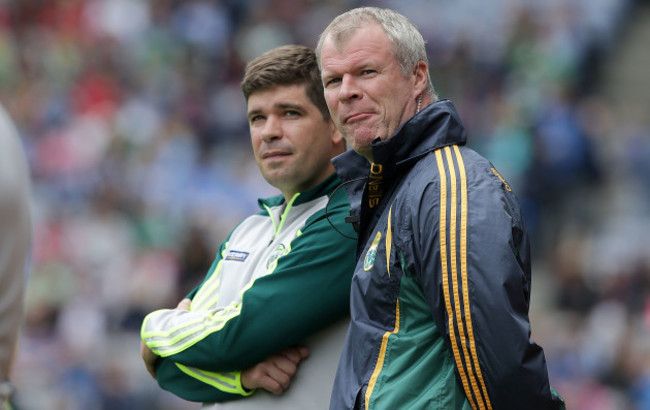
{"x":368,"y":71}
{"x":291,"y":113}
{"x":255,"y":118}
{"x":332,"y":81}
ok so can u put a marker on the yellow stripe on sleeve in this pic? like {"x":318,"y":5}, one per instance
{"x":464,"y":274}
{"x":453,"y":251}
{"x":445,"y":276}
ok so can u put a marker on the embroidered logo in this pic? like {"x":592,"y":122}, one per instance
{"x":501,"y":178}
{"x":238,"y":256}
{"x":272,"y":262}
{"x":369,"y":260}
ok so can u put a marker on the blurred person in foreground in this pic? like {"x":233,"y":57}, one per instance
{"x":15,"y":243}
{"x":441,"y":291}
{"x":279,"y":287}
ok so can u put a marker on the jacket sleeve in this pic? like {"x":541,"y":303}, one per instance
{"x":472,"y":261}
{"x":15,"y":241}
{"x":307,"y":291}
{"x":195,"y":384}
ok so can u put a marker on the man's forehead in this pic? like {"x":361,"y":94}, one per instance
{"x":279,"y":96}
{"x":279,"y":90}
{"x":340,"y":37}
{"x":351,"y":50}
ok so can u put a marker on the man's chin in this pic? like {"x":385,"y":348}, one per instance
{"x":363,"y":150}
{"x":361,"y":146}
{"x":276,"y":176}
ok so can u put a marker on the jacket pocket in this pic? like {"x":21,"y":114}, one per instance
{"x":360,"y":401}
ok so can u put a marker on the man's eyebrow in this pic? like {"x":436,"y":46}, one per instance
{"x":326,"y":75}
{"x":285,"y":106}
{"x":281,"y":106}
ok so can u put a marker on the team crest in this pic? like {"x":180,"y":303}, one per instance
{"x":272,"y":262}
{"x":369,"y":260}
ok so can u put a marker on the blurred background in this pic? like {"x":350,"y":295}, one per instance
{"x":135,"y":130}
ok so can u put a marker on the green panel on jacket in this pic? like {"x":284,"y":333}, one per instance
{"x":418,"y":340}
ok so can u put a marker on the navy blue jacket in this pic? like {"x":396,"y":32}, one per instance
{"x":441,"y":290}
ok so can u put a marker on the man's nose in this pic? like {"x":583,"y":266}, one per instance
{"x":349,"y":88}
{"x":272,"y":129}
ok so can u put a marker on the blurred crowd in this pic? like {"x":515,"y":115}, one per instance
{"x":135,"y":130}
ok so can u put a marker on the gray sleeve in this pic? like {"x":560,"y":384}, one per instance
{"x":15,"y":238}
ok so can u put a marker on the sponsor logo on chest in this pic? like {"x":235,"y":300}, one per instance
{"x":239,"y":256}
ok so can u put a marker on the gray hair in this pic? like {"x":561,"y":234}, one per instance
{"x":408,"y":44}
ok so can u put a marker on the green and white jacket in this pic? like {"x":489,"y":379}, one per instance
{"x":281,"y":276}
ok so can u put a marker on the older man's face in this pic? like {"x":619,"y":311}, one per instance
{"x":366,"y":92}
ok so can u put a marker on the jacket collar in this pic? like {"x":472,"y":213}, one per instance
{"x":324,"y":188}
{"x":437,"y":125}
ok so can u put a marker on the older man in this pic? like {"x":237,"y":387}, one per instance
{"x":441,"y":290}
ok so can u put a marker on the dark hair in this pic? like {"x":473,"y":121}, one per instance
{"x":286,"y":65}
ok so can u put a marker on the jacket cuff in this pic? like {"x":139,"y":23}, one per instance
{"x":227,"y":382}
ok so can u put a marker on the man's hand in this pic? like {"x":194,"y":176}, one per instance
{"x":274,"y":374}
{"x":148,"y":356}
{"x":184,"y":304}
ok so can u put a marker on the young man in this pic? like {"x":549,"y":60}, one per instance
{"x":282,"y":275}
{"x":441,"y":291}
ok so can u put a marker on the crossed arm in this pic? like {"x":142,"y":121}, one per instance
{"x":199,"y":355}
{"x":273,"y":374}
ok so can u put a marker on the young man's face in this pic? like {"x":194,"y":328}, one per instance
{"x":291,"y":141}
{"x":366,"y":92}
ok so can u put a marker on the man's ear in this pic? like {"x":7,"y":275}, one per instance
{"x":338,"y":141}
{"x":421,"y":78}
{"x":337,"y":137}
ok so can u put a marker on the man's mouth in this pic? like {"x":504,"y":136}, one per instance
{"x":275,"y":154}
{"x":360,"y":116}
